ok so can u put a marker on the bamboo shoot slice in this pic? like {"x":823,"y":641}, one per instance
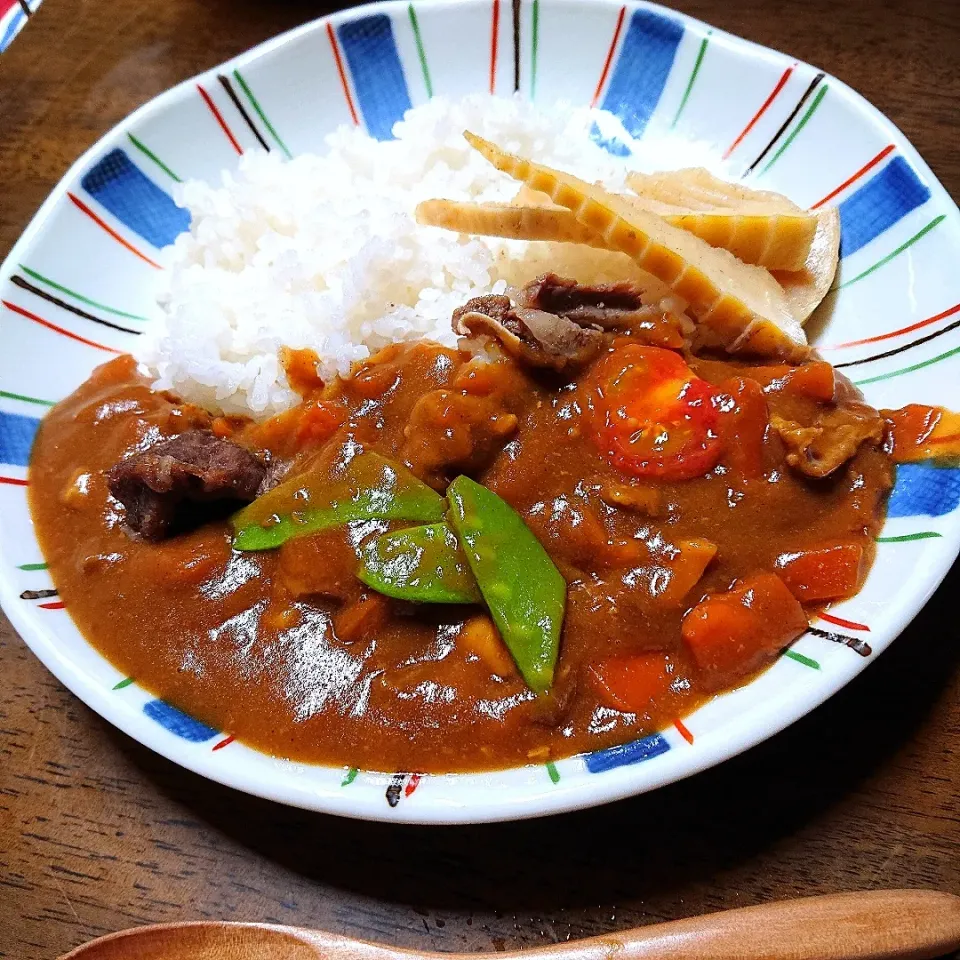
{"x":739,"y":306}
{"x":695,"y":188}
{"x":775,"y":241}
{"x":806,"y":288}
{"x":505,"y":220}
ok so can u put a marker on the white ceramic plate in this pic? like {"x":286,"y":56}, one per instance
{"x":85,"y":270}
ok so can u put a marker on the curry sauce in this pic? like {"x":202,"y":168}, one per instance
{"x":288,"y":651}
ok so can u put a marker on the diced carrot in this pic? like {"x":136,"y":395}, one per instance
{"x":920,"y":432}
{"x":827,"y":573}
{"x":742,"y":425}
{"x":730,"y":635}
{"x":318,"y":423}
{"x":687,"y":568}
{"x":634,"y":684}
{"x":362,"y":618}
{"x":308,"y":424}
{"x":814,"y":380}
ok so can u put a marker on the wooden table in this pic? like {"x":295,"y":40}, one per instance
{"x":97,"y":833}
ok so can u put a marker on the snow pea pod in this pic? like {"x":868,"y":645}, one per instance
{"x":421,"y":564}
{"x":524,"y":591}
{"x":368,"y":488}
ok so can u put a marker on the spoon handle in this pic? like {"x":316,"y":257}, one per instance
{"x":878,"y":925}
{"x":873,"y":925}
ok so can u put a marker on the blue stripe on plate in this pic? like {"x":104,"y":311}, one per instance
{"x":879,"y":204}
{"x":16,"y":438}
{"x":135,"y":200}
{"x":626,"y":753}
{"x":177,"y":722}
{"x":646,"y":58}
{"x":13,"y":28}
{"x":613,"y":145}
{"x":923,"y":489}
{"x":378,"y":80}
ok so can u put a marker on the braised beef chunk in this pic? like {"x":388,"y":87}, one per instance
{"x":607,"y":305}
{"x":831,"y":440}
{"x":195,"y":466}
{"x":534,"y":337}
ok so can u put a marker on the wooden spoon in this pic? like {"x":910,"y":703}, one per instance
{"x":877,"y":925}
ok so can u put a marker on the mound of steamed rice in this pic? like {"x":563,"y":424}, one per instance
{"x":324,"y":251}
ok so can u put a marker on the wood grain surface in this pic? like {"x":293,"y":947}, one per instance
{"x":98,"y":834}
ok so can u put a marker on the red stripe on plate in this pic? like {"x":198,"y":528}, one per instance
{"x":412,"y":784}
{"x":14,"y":481}
{"x":54,"y":605}
{"x":894,"y":333}
{"x":55,"y":328}
{"x":609,"y":61}
{"x":343,"y":75}
{"x":208,"y":100}
{"x":683,"y":731}
{"x":781,"y":83}
{"x":224,"y":743}
{"x":886,"y":151}
{"x":840,"y":622}
{"x":113,"y":233}
{"x":494,"y":43}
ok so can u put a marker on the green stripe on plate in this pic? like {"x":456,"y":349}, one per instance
{"x":256,"y":106}
{"x":817,"y":100}
{"x":693,"y":76}
{"x":79,"y":296}
{"x":30,"y":567}
{"x":800,"y":658}
{"x":150,"y":155}
{"x":20,"y":396}
{"x":910,"y":537}
{"x":896,"y":253}
{"x":534,"y":49}
{"x":916,"y":366}
{"x":553,"y":772}
{"x":420,"y":51}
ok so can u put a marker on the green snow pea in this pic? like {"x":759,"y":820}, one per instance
{"x":422,"y":564}
{"x":369,"y":488}
{"x":524,"y":591}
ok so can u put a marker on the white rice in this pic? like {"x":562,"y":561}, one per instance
{"x":324,"y":251}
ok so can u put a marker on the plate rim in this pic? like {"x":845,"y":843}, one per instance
{"x":570,"y":794}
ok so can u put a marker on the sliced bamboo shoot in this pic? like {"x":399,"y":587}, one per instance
{"x":505,"y":220}
{"x":776,"y":241}
{"x":695,"y":188}
{"x":738,"y":306}
{"x":806,"y":288}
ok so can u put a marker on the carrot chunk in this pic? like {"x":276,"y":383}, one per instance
{"x":635,"y":684}
{"x":920,"y":432}
{"x":827,"y":573}
{"x":814,"y":380}
{"x":742,"y":425}
{"x":730,"y":635}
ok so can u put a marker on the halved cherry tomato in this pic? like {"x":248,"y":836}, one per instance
{"x":654,"y":417}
